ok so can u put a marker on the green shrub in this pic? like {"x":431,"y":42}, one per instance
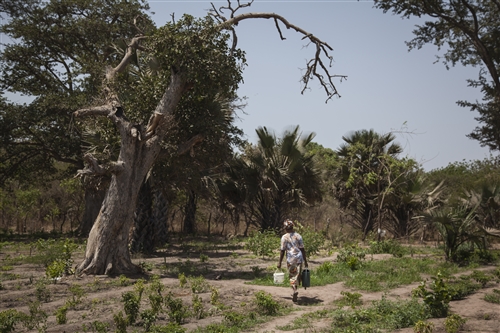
{"x":349,"y":299}
{"x":313,"y":241}
{"x":148,"y":318}
{"x":423,"y":327}
{"x":9,"y":319}
{"x":263,"y":243}
{"x":437,"y":298}
{"x":198,"y":310}
{"x":131,"y":303}
{"x":390,"y":246}
{"x":120,"y":323}
{"x":198,"y":284}
{"x":169,"y":328}
{"x":266,"y":305}
{"x":351,"y":256}
{"x":61,"y":314}
{"x":99,"y":327}
{"x":453,"y":323}
{"x":177,"y":311}
{"x":493,"y":297}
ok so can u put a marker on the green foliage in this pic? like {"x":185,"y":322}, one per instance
{"x":493,"y":297}
{"x":9,"y":319}
{"x":422,"y":326}
{"x":131,"y":304}
{"x":203,"y":257}
{"x":458,"y":229}
{"x":349,"y":299}
{"x":453,"y":323}
{"x":313,"y":241}
{"x":437,"y":297}
{"x":99,"y":326}
{"x":266,"y":305}
{"x":182,"y":280}
{"x":390,"y":246}
{"x":198,"y":284}
{"x":61,"y":314}
{"x":37,"y":318}
{"x":120,"y":322}
{"x":77,"y":293}
{"x":155,"y":290}
{"x":214,"y":296}
{"x":198,"y":309}
{"x":41,"y":292}
{"x":169,"y":328}
{"x":351,"y":256}
{"x":263,"y":243}
{"x":148,"y":317}
{"x":177,"y":311}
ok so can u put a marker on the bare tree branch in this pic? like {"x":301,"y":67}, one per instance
{"x":188,"y":145}
{"x":95,"y":169}
{"x":316,"y":67}
{"x":131,"y":49}
{"x":103,"y":110}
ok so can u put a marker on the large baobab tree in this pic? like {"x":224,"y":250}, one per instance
{"x":191,"y":59}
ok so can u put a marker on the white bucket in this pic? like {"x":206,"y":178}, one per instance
{"x":279,"y":277}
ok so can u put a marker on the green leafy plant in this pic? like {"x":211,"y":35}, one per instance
{"x":99,"y":326}
{"x":198,"y":309}
{"x":214,"y":296}
{"x":493,"y":297}
{"x":263,"y":243}
{"x":182,"y":280}
{"x":266,"y":305}
{"x":422,"y":326}
{"x":61,"y":314}
{"x":198,"y":284}
{"x":390,"y":246}
{"x":120,"y":322}
{"x":169,"y":328}
{"x":41,"y":292}
{"x":155,"y":290}
{"x":9,"y":319}
{"x":148,"y":318}
{"x":351,"y":256}
{"x":77,"y":293}
{"x":437,"y":297}
{"x":349,"y":299}
{"x":313,"y":241}
{"x":203,"y":257}
{"x":37,"y":318}
{"x":131,"y":303}
{"x":453,"y":323}
{"x":177,"y":311}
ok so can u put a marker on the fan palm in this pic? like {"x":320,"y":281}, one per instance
{"x":364,"y":160}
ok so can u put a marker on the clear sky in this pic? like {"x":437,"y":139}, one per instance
{"x":388,"y":88}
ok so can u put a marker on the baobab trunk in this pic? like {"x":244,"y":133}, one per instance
{"x":107,"y":247}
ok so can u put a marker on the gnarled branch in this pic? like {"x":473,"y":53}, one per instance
{"x":315,"y":67}
{"x":95,"y":169}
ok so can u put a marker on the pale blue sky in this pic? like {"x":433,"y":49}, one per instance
{"x":387,"y":86}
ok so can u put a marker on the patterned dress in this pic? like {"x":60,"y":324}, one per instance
{"x":292,"y":243}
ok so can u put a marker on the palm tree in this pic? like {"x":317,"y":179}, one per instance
{"x":413,"y":196}
{"x":365,"y":160}
{"x":274,"y":177}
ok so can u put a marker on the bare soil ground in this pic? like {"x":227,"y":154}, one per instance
{"x":228,"y":271}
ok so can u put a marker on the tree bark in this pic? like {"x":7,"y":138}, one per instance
{"x":107,"y":248}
